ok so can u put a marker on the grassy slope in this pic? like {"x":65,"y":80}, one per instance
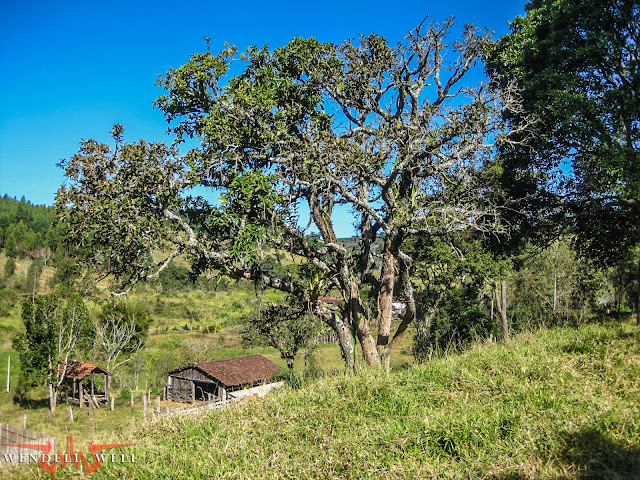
{"x":561,"y":403}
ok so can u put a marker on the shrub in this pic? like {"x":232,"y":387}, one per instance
{"x":213,"y":328}
{"x":125,"y":393}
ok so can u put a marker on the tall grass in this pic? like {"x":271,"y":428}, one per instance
{"x":559,"y":403}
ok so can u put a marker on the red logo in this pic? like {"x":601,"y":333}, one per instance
{"x":70,"y":457}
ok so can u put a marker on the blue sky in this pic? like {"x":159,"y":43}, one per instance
{"x":70,"y":70}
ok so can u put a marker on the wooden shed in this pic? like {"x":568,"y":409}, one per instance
{"x":77,"y":391}
{"x":215,"y":380}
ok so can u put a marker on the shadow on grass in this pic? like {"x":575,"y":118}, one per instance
{"x":30,"y":403}
{"x":591,"y":455}
{"x":596,"y":456}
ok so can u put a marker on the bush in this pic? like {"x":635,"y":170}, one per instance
{"x":213,"y":328}
{"x":458,"y":321}
{"x":8,"y":299}
{"x":9,"y":268}
{"x":125,"y":393}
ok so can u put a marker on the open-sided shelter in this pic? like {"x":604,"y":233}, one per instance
{"x":215,"y":380}
{"x":77,"y":391}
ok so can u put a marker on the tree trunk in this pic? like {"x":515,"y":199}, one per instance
{"x":289,"y":361}
{"x":505,"y":324}
{"x":345,"y":340}
{"x":52,"y":397}
{"x":555,"y":290}
{"x":361,"y":325}
{"x":385,"y":299}
{"x":501,"y":304}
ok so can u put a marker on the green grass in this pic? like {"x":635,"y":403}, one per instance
{"x":560,"y":403}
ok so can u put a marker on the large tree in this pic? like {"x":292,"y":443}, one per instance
{"x":577,"y":65}
{"x":395,"y":133}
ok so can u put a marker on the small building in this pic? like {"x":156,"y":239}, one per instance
{"x":77,"y":391}
{"x":216,"y":380}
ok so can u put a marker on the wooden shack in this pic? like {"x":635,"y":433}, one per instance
{"x":76,"y":389}
{"x":216,"y":380}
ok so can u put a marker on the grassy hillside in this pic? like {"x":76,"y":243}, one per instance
{"x":560,"y":403}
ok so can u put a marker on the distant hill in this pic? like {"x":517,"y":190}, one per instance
{"x":27,"y":230}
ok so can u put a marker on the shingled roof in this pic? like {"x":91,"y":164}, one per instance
{"x":79,"y":370}
{"x":236,"y":371}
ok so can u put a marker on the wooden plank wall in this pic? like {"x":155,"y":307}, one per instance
{"x":12,"y":434}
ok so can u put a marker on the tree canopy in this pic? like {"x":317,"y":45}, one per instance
{"x":397,"y":133}
{"x":55,"y":332}
{"x":576,"y":64}
{"x":287,"y":328}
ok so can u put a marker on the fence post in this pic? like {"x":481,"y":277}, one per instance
{"x":8,"y":372}
{"x":112,"y":399}
{"x":24,"y":421}
{"x":70,"y":414}
{"x":158,"y":405}
{"x":144,"y":402}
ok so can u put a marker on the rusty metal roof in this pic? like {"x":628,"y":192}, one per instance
{"x":79,"y":370}
{"x":236,"y":371}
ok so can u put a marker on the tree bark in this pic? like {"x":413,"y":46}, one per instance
{"x":500,"y":293}
{"x":503,"y":313}
{"x":363,"y":331}
{"x":345,"y":340}
{"x":52,"y":397}
{"x":385,"y":299}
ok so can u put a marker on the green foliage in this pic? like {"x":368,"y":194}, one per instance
{"x":121,"y":312}
{"x":8,"y":300}
{"x":55,"y":330}
{"x":175,"y":278}
{"x":575,"y":65}
{"x":554,"y":287}
{"x":26,"y":230}
{"x":287,"y":328}
{"x":31,"y":282}
{"x":9,"y":268}
{"x":213,"y":328}
{"x":453,"y":271}
{"x":36,"y":345}
{"x":125,"y":393}
{"x":393,"y":131}
{"x":458,"y":321}
{"x":67,"y":271}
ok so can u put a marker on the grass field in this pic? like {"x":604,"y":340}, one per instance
{"x":560,"y":403}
